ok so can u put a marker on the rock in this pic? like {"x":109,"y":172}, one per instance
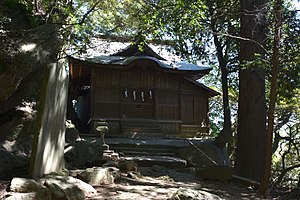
{"x":66,"y":187}
{"x":82,"y":153}
{"x":98,"y":176}
{"x":23,"y":185}
{"x":75,"y":173}
{"x":204,"y":153}
{"x":108,"y":155}
{"x":111,"y":164}
{"x":14,"y":157}
{"x":134,"y":175}
{"x":166,"y":178}
{"x":21,"y":196}
{"x":52,"y":187}
{"x":3,"y":187}
{"x":190,"y":170}
{"x":72,"y":134}
{"x":20,"y":121}
{"x":12,"y":165}
{"x":43,"y":193}
{"x":189,"y":194}
{"x":157,"y":168}
{"x":128,"y":166}
{"x":62,"y":172}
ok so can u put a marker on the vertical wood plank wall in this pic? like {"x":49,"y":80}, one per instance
{"x":147,"y":94}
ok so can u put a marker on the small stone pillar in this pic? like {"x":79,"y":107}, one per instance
{"x":102,"y":128}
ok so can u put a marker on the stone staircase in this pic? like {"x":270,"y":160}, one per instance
{"x":140,"y":128}
{"x":147,"y":152}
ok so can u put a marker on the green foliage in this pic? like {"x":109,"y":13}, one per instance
{"x":287,"y":155}
{"x":180,"y":21}
{"x":192,"y":25}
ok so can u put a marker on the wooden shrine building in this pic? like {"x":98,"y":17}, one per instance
{"x":140,"y":94}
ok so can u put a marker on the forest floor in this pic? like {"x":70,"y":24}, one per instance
{"x":149,"y":185}
{"x":160,"y":186}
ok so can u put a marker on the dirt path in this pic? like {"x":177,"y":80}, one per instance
{"x":160,"y":185}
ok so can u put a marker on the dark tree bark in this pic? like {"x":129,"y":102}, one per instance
{"x":273,"y":97}
{"x":251,"y":134}
{"x":225,"y":136}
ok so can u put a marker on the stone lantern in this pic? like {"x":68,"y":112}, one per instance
{"x":102,"y":128}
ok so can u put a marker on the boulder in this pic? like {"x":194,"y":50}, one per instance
{"x":190,"y":194}
{"x":82,"y":153}
{"x":98,"y":176}
{"x":66,"y":187}
{"x":12,"y":165}
{"x":43,"y":193}
{"x":51,"y":187}
{"x":23,"y":185}
{"x":21,"y":196}
{"x":128,"y":166}
{"x":204,"y":153}
{"x":14,"y":157}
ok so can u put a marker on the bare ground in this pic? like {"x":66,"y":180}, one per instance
{"x":149,"y":185}
{"x":159,"y":186}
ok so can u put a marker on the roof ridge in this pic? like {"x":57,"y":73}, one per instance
{"x":134,"y":50}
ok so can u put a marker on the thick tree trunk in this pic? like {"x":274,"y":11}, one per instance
{"x":251,"y":124}
{"x":251,"y":134}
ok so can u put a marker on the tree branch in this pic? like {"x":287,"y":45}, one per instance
{"x":124,"y":38}
{"x":88,"y":12}
{"x":243,"y":39}
{"x":284,"y":171}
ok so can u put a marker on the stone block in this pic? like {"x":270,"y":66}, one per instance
{"x":98,"y":176}
{"x":23,"y":185}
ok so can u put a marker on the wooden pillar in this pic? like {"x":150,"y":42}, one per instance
{"x":155,"y":93}
{"x":123,"y":85}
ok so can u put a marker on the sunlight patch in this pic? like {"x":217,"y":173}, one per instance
{"x":28,"y":47}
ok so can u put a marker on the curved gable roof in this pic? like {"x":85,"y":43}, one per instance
{"x":134,"y":50}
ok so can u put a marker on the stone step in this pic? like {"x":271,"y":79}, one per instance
{"x":154,"y":149}
{"x":147,"y":153}
{"x":140,"y":126}
{"x":141,"y":130}
{"x":166,"y":161}
{"x":154,"y":126}
{"x":143,"y":148}
{"x":142,"y":135}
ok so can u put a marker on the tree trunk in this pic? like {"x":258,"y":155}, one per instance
{"x":251,"y":124}
{"x":275,"y":68}
{"x":225,"y":135}
{"x":251,"y":134}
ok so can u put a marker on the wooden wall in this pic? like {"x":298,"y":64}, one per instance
{"x":147,"y":94}
{"x":105,"y":93}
